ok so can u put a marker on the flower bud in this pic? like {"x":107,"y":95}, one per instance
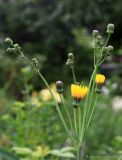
{"x":110,"y":49}
{"x":35,"y":62}
{"x":71,"y":56}
{"x":99,"y":37}
{"x":9,"y":41}
{"x":69,"y":62}
{"x":13,"y":50}
{"x":59,"y":87}
{"x":16,"y":46}
{"x":9,"y":50}
{"x":95,"y":33}
{"x":110,"y":28}
{"x":98,"y":42}
{"x":99,"y":79}
{"x":98,"y":89}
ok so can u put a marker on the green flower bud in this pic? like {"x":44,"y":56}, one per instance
{"x":110,"y":48}
{"x":35,"y":62}
{"x":98,"y":42}
{"x":75,"y":103}
{"x":59,"y":87}
{"x":99,"y":38}
{"x":95,"y":33}
{"x":69,"y":62}
{"x":16,"y":46}
{"x":110,"y":28}
{"x":13,"y":50}
{"x":98,"y":89}
{"x":9,"y":50}
{"x":71,"y":56}
{"x":9,"y":41}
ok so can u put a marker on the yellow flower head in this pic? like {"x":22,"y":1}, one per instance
{"x":100,"y":79}
{"x":78,"y":92}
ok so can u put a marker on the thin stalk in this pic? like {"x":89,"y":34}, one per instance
{"x":73,"y":73}
{"x":107,"y":40}
{"x":90,"y":100}
{"x":86,"y":103}
{"x":75,"y":121}
{"x":90,"y":117}
{"x":57,"y":107}
{"x":102,"y":60}
{"x":94,"y":58}
{"x":79,"y":153}
{"x":66,"y":110}
{"x":80,"y":119}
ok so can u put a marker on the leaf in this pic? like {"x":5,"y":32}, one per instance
{"x":22,"y":150}
{"x":65,"y":149}
{"x":7,"y":156}
{"x":64,"y":153}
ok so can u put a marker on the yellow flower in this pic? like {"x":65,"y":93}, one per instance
{"x":78,"y":92}
{"x":100,"y":79}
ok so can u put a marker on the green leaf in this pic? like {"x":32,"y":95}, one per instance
{"x":65,"y":152}
{"x":22,"y":150}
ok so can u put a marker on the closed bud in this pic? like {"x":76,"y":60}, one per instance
{"x":71,"y":56}
{"x":98,"y":90}
{"x":9,"y":50}
{"x":110,"y":28}
{"x":95,"y":33}
{"x":9,"y":41}
{"x":69,"y":62}
{"x":99,"y":38}
{"x":13,"y":50}
{"x":98,"y":42}
{"x":35,"y":62}
{"x":16,"y":46}
{"x":110,"y":48}
{"x":59,"y":87}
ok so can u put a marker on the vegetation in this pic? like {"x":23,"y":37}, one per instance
{"x":48,"y":30}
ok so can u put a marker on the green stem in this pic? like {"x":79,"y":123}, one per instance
{"x":67,"y":112}
{"x":57,"y":107}
{"x":90,"y":117}
{"x":107,"y":40}
{"x":102,"y":60}
{"x":86,"y":103}
{"x":80,"y":119}
{"x":94,"y":58}
{"x":73,"y":73}
{"x":90,"y":100}
{"x":79,"y":153}
{"x":75,"y":121}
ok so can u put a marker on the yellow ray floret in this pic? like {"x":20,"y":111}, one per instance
{"x":78,"y":92}
{"x":100,"y":79}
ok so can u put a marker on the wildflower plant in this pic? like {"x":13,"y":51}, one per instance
{"x":78,"y":125}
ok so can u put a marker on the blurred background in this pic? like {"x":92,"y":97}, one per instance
{"x":48,"y":30}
